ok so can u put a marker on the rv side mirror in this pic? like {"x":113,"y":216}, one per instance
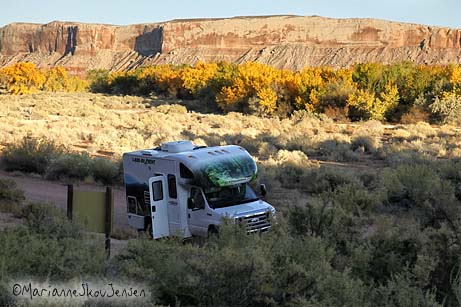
{"x":262,"y":188}
{"x":190,"y":203}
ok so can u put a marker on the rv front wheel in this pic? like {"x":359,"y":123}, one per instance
{"x":213,"y":231}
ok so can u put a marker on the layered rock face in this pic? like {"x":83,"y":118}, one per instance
{"x":290,"y":42}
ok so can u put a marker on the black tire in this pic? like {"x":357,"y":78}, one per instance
{"x":148,"y":229}
{"x":213,"y":232}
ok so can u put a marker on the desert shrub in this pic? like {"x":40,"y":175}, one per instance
{"x":295,"y":157}
{"x":456,"y":286}
{"x":301,"y":143}
{"x":172,"y":108}
{"x":356,"y":199}
{"x":397,"y":158}
{"x":451,"y":170}
{"x":72,"y":165}
{"x":99,"y":81}
{"x":447,"y":108}
{"x":337,"y":114}
{"x":336,"y":150}
{"x":42,"y":256}
{"x":365,"y":144}
{"x":315,"y":218}
{"x":274,"y":270}
{"x":124,"y":84}
{"x":47,"y":248}
{"x":401,"y":290}
{"x":48,"y":220}
{"x":31,"y":155}
{"x":45,"y":157}
{"x":320,"y":180}
{"x":192,"y":276}
{"x":289,"y":168}
{"x":289,"y":175}
{"x":107,"y":171}
{"x":266,"y":150}
{"x":124,"y":233}
{"x":11,"y":197}
{"x":418,"y":187}
{"x":421,"y":131}
{"x":415,"y":115}
{"x":371,"y":128}
{"x":9,"y":191}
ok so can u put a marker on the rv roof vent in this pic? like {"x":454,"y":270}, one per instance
{"x":199,"y":147}
{"x":178,"y":146}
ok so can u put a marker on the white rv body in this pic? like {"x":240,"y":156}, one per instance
{"x":173,"y":190}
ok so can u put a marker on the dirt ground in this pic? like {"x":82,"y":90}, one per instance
{"x":40,"y":190}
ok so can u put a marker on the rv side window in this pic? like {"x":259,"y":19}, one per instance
{"x":172,"y":192}
{"x":185,"y":172}
{"x":131,"y":204}
{"x":157,"y":190}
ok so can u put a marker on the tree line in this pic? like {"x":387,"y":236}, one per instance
{"x":387,"y":92}
{"x":25,"y":78}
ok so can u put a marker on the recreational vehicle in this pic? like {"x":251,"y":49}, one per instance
{"x":179,"y":189}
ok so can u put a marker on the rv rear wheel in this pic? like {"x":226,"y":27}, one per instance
{"x":148,"y":229}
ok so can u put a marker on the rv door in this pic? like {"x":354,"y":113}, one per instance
{"x":158,"y":204}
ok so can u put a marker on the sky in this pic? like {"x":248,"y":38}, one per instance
{"x":429,"y":12}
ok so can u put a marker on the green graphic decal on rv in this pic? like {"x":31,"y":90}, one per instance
{"x":225,"y":171}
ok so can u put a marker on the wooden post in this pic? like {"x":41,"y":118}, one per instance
{"x":70,"y":201}
{"x":108,"y":218}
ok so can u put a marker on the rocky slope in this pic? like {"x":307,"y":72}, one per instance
{"x":283,"y":41}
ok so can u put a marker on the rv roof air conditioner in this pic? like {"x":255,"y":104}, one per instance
{"x":179,"y":146}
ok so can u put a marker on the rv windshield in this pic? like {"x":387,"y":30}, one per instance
{"x":219,"y":197}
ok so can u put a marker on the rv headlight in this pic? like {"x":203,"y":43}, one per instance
{"x":239,"y":220}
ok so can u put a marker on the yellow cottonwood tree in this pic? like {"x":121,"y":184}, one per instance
{"x":194,"y":79}
{"x":23,"y":78}
{"x":455,"y":78}
{"x":367,"y":106}
{"x":267,"y":100}
{"x":56,"y":80}
{"x":163,"y":78}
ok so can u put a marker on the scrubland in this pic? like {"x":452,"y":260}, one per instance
{"x":369,"y":213}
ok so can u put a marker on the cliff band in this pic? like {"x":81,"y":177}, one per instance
{"x":290,"y":42}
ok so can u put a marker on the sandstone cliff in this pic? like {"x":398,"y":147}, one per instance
{"x":283,"y":41}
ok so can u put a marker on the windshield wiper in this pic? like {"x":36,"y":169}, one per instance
{"x":249,"y":200}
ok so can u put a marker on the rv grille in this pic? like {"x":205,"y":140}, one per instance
{"x":147,"y":197}
{"x":256,"y":223}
